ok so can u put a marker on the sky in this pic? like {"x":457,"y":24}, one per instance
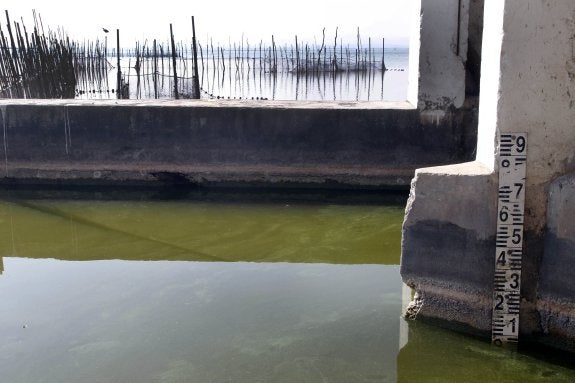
{"x":221,"y":20}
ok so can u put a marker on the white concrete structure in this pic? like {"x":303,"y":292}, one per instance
{"x":442,"y":53}
{"x":527,"y":85}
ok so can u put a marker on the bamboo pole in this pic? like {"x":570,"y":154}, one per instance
{"x":297,"y":68}
{"x":383,"y":68}
{"x":196,"y":93}
{"x":119,"y":74}
{"x":274,"y":55}
{"x":320,"y":49}
{"x":176,"y":95}
{"x":334,"y":63}
{"x":155,"y":69}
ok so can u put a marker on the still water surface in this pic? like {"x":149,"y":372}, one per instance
{"x":222,"y":291}
{"x":244,"y":78}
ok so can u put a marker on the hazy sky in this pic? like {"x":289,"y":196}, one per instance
{"x":221,"y":19}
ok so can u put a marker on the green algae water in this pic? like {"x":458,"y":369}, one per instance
{"x":222,"y":290}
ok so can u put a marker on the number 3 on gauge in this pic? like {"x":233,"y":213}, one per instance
{"x":514,"y":283}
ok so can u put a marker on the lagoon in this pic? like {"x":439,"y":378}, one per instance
{"x":248,"y":78}
{"x":248,"y":287}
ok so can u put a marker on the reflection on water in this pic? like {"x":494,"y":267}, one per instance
{"x":436,"y":355}
{"x":200,"y":231}
{"x":245,"y":78}
{"x":197,"y":321}
{"x":196,"y":291}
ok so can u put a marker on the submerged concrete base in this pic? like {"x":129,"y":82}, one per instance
{"x":448,"y":255}
{"x":448,"y":245}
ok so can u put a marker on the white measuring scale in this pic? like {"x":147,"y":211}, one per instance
{"x":509,"y":238}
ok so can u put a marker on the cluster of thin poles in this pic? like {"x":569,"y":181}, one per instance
{"x":152,"y":67}
{"x":35,"y":64}
{"x":302,"y":61}
{"x":300,"y":58}
{"x":167,"y":71}
{"x":49,"y":65}
{"x":91,"y":67}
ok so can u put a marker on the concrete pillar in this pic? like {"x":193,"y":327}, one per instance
{"x":556,"y":292}
{"x":439,"y":48}
{"x":442,"y":54}
{"x":527,"y":85}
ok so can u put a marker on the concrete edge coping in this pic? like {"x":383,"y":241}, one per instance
{"x":251,"y":104}
{"x":452,"y":194}
{"x":302,"y":169}
{"x":221,"y":174}
{"x":472,"y":168}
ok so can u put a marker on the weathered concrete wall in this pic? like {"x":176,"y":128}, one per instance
{"x":527,"y":85}
{"x":442,"y":54}
{"x":439,"y":48}
{"x":556,"y":293}
{"x":475,"y":41}
{"x":212,"y":143}
{"x":414,"y":51}
{"x":448,"y":245}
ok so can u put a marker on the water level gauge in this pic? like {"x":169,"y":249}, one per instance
{"x":509,"y":238}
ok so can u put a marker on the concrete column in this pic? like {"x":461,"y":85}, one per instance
{"x":439,"y":49}
{"x":533,"y":91}
{"x":556,"y":292}
{"x":442,"y":53}
{"x":527,"y":85}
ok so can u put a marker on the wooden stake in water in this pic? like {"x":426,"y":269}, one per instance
{"x":383,"y":68}
{"x":176,"y":96}
{"x":119,"y":75}
{"x":296,"y":56}
{"x":334,"y":62}
{"x":155,"y":76}
{"x":509,"y":238}
{"x":196,"y":89}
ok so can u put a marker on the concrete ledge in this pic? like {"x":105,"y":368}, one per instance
{"x":448,"y":245}
{"x":242,"y":104}
{"x":372,"y":144}
{"x":208,"y":175}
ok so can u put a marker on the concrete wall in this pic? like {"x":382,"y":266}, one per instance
{"x":448,"y":245}
{"x":474,"y":46}
{"x":442,"y":54}
{"x":439,"y":48}
{"x":527,"y":85}
{"x":288,"y":144}
{"x":414,"y":50}
{"x":556,"y":292}
{"x":445,"y":46}
{"x":220,"y":142}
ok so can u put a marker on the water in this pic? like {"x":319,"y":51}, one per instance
{"x":223,"y":76}
{"x":233,"y":289}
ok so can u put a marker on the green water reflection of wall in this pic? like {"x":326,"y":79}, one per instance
{"x":199,"y":231}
